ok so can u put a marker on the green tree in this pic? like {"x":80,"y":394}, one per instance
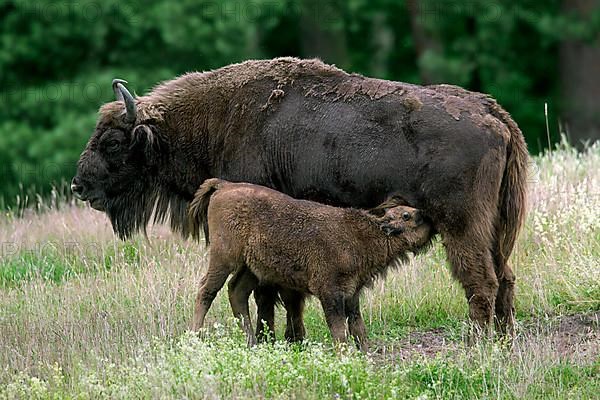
{"x":57,"y":59}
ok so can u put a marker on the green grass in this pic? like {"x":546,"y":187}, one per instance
{"x":56,"y":262}
{"x":221,"y":366}
{"x":83,"y":315}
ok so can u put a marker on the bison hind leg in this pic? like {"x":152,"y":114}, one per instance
{"x":473,"y":266}
{"x":469,"y":231}
{"x":505,"y":310}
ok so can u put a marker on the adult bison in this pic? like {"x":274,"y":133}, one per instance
{"x":316,"y":132}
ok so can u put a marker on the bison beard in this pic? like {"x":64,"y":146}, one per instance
{"x":131,"y":212}
{"x":313,"y":131}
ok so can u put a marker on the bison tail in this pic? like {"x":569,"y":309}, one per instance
{"x":513,"y":191}
{"x":198,"y":209}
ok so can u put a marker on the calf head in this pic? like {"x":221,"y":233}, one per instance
{"x":405,"y":223}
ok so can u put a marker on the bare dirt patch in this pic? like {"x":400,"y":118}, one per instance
{"x":573,"y":337}
{"x":428,"y":343}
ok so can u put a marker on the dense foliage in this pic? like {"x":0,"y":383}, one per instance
{"x":57,"y":59}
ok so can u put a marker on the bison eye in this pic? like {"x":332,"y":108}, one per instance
{"x":112,"y":145}
{"x":405,"y":216}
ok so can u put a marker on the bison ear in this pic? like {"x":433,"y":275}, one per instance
{"x":147,"y":139}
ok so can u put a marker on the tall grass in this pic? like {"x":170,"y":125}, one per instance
{"x":84,"y":315}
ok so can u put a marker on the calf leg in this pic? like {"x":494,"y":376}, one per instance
{"x":211,"y":283}
{"x":335,"y":315}
{"x":294,"y":307}
{"x":265,"y":297}
{"x":240,"y":287}
{"x":356,"y":325}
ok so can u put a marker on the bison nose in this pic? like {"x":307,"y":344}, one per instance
{"x":77,"y":187}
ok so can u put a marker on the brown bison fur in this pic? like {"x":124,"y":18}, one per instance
{"x":315,"y":132}
{"x":330,"y":252}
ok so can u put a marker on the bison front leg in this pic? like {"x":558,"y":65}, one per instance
{"x":240,"y":287}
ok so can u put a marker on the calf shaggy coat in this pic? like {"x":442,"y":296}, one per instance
{"x":302,"y":245}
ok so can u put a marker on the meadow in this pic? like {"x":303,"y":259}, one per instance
{"x":84,"y":315}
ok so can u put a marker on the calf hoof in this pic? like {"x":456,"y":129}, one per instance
{"x":251,"y":341}
{"x":201,"y":333}
{"x":295,"y":336}
{"x":363,"y":346}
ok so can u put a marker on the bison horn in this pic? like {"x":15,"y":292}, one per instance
{"x":123,"y":94}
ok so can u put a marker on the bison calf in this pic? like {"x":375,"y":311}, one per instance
{"x":316,"y":249}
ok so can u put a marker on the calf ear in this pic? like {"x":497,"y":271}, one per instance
{"x":147,"y":139}
{"x":378,"y":211}
{"x":390,"y":202}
